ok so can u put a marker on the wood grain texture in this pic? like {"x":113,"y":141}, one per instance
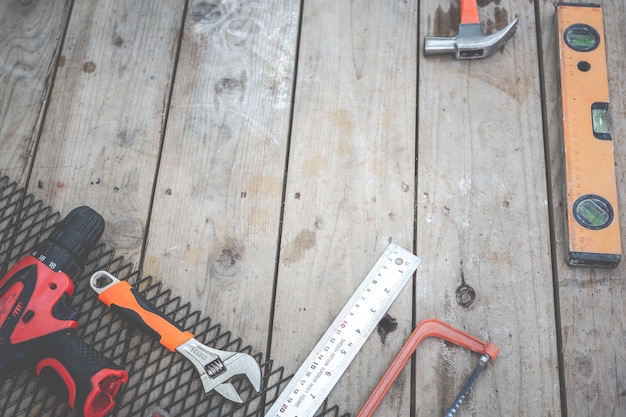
{"x":215,"y":226}
{"x":444,"y":157}
{"x":592,"y":307}
{"x":30,"y":36}
{"x":103,"y":129}
{"x":482,"y":222}
{"x":350,"y":183}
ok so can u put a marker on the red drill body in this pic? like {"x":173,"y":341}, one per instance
{"x":38,"y":326}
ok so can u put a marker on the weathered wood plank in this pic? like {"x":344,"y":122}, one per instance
{"x":350,"y":182}
{"x":592,"y":301}
{"x":103,"y":128}
{"x":217,"y":207}
{"x":481,"y":195}
{"x":482,"y":221}
{"x":30,"y":36}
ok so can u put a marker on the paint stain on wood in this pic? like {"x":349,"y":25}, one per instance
{"x":378,"y":167}
{"x":294,"y":251}
{"x":341,"y":118}
{"x":153,"y":263}
{"x":386,"y":325}
{"x":389,"y":120}
{"x":313,"y":165}
{"x":262,"y":185}
{"x":89,"y":67}
{"x":501,"y":19}
{"x":446,"y":23}
{"x":194,"y":256}
{"x":484,"y":3}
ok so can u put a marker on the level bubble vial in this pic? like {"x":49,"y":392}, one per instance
{"x":581,"y":37}
{"x":593,"y":212}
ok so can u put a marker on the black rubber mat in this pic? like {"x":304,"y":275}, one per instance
{"x":161,"y":382}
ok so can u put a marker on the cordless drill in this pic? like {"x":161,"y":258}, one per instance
{"x":38,"y":326}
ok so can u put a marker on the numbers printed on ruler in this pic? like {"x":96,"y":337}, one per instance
{"x":343,"y":341}
{"x":332,"y":355}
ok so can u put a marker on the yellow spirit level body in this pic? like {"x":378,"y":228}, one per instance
{"x":592,"y":215}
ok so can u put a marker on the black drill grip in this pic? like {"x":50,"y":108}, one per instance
{"x":79,"y":374}
{"x":38,"y":324}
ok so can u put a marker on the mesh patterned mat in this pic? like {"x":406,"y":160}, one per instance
{"x":161,"y":383}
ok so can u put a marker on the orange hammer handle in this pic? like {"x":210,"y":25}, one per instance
{"x":426,"y":328}
{"x":469,"y":12}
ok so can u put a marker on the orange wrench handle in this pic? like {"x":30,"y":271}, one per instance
{"x":126,"y":301}
{"x":469,"y":12}
{"x":426,"y":328}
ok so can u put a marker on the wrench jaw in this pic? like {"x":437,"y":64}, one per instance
{"x":217,"y":367}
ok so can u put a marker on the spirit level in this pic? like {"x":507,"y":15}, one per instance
{"x":321,"y":370}
{"x":592,"y":216}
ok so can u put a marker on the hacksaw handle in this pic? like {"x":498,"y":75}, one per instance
{"x":469,"y":12}
{"x":426,"y":328}
{"x":125,"y":300}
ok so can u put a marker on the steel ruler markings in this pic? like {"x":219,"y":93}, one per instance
{"x":321,"y":370}
{"x":593,"y":230}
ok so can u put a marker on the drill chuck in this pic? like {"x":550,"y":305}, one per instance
{"x":69,"y":244}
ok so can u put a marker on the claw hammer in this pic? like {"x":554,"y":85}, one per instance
{"x":425,"y":329}
{"x":470,"y":42}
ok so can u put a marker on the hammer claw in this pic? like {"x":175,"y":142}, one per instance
{"x":470,"y":41}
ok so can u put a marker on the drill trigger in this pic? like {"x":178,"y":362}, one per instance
{"x":62,"y":310}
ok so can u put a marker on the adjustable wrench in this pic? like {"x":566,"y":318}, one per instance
{"x":215,"y":367}
{"x":431,"y":328}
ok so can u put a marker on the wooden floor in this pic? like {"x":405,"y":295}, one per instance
{"x":258,"y":156}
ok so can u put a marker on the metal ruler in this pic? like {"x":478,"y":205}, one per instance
{"x":591,"y":191}
{"x":321,"y":370}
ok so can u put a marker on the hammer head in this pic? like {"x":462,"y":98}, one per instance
{"x":470,"y":42}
